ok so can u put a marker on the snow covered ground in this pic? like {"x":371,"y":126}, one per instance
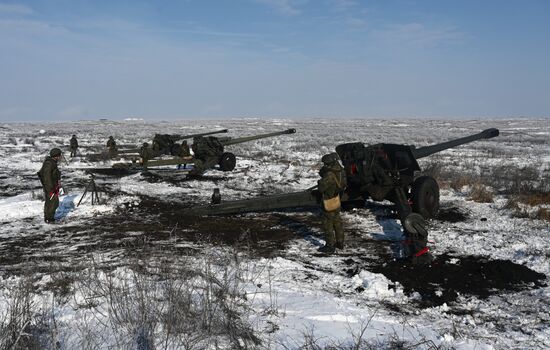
{"x":472,"y":298}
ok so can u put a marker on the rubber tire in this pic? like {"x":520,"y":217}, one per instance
{"x":227,"y":161}
{"x":425,"y":196}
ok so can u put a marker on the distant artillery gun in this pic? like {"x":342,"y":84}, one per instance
{"x":382,"y":172}
{"x":163,"y":144}
{"x":208,"y":152}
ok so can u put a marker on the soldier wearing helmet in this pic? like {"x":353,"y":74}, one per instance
{"x":331,"y":185}
{"x":111,"y":146}
{"x":50,"y":176}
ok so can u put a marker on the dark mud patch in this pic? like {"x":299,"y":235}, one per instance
{"x":452,"y":214}
{"x":448,"y":277}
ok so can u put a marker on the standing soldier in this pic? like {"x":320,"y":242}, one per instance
{"x":73,"y":146}
{"x":332,"y":183}
{"x":49,"y":177}
{"x":145,"y":153}
{"x":111,"y":146}
{"x":184,"y":152}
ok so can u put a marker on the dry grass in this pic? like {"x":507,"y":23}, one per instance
{"x":530,"y":206}
{"x":481,"y":194}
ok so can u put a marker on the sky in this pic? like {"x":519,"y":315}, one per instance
{"x":191,"y":59}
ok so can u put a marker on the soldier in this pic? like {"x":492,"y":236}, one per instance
{"x":145,"y":153}
{"x":184,"y":153}
{"x":332,"y":183}
{"x":73,"y":145}
{"x":49,"y":177}
{"x":111,"y":145}
{"x":184,"y":150}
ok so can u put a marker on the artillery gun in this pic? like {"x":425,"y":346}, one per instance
{"x":167,"y":144}
{"x":162,"y":144}
{"x":382,"y":172}
{"x":209,"y":152}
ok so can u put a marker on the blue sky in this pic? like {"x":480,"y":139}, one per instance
{"x":62,"y":60}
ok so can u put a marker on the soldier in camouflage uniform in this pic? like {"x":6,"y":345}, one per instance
{"x":331,"y":185}
{"x":73,"y":145}
{"x":111,"y":146}
{"x":146,"y":154}
{"x":184,"y":153}
{"x":49,"y":176}
{"x":184,"y":149}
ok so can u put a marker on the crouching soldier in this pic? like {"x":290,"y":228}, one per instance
{"x":49,"y":176}
{"x":331,"y":185}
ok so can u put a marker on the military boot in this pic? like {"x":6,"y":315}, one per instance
{"x":327,"y":249}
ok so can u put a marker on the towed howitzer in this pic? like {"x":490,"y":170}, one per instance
{"x":382,"y":172}
{"x":167,"y":144}
{"x":209,"y":151}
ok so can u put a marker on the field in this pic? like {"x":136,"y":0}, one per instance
{"x":136,"y":272}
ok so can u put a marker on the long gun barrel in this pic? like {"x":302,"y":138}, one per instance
{"x":227,"y":142}
{"x":429,"y":150}
{"x":306,"y":198}
{"x":176,"y":137}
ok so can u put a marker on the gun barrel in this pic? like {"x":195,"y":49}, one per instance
{"x":282,"y":201}
{"x":256,"y":137}
{"x":125,"y":151}
{"x":429,"y":150}
{"x":177,"y":137}
{"x":172,"y":161}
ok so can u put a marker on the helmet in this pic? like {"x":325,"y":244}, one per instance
{"x":74,"y":135}
{"x":145,"y":144}
{"x":330,"y":158}
{"x":55,"y":152}
{"x":110,"y":137}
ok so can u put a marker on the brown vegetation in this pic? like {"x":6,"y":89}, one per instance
{"x":525,"y":206}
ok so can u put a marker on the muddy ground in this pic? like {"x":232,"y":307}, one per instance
{"x":153,"y":227}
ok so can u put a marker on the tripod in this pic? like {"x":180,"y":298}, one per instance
{"x":92,"y":188}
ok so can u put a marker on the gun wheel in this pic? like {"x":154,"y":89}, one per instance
{"x":425,"y":196}
{"x":227,"y":161}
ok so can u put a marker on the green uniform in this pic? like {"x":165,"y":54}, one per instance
{"x":184,"y":150}
{"x":111,"y":145}
{"x":73,"y":146}
{"x":146,"y":154}
{"x":49,"y":176}
{"x":331,"y":184}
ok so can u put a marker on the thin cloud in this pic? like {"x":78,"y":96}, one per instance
{"x":285,"y":7}
{"x":419,"y":35}
{"x":15,"y":9}
{"x":343,"y":5}
{"x":31,"y":27}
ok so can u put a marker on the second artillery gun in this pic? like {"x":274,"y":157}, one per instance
{"x":208,"y":152}
{"x":167,"y":144}
{"x":162,"y":144}
{"x":382,"y":171}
